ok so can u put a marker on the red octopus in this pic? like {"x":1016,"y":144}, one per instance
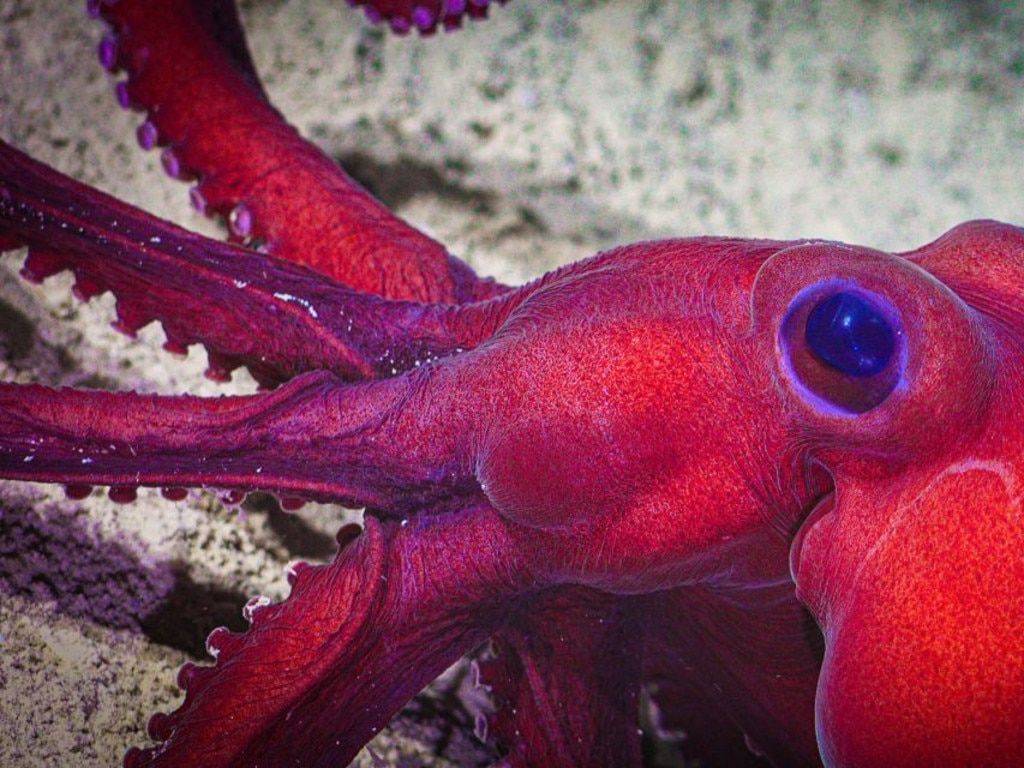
{"x":647,"y":470}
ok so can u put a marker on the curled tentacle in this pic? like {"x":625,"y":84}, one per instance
{"x":189,"y":69}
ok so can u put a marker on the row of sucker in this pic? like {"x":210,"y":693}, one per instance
{"x":134,"y":312}
{"x":222,"y":644}
{"x":114,"y":56}
{"x":424,"y":17}
{"x":230,"y":498}
{"x":41,"y":264}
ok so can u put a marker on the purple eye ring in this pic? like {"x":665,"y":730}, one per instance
{"x":842,"y":346}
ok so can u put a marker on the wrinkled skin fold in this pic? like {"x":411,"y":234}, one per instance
{"x":775,"y":484}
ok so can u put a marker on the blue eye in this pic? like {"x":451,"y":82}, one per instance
{"x":847,"y":333}
{"x":843,"y":346}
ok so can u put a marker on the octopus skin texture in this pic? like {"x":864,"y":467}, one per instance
{"x":771,"y":483}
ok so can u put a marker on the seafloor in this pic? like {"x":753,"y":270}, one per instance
{"x":549,"y":133}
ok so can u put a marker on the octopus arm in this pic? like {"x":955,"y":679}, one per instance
{"x":188,"y":67}
{"x":566,"y":678}
{"x":314,"y":438}
{"x":247,"y":308}
{"x":323,"y":662}
{"x":735,"y":671}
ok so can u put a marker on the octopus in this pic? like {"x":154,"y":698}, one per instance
{"x":765,"y":487}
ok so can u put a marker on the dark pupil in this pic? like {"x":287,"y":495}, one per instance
{"x":849,"y":335}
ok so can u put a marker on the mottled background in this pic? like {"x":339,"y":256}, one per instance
{"x":551,"y":132}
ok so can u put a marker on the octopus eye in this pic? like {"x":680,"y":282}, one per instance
{"x":843,"y":347}
{"x":846,"y":332}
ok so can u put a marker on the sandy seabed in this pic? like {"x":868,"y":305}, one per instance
{"x":549,"y":133}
